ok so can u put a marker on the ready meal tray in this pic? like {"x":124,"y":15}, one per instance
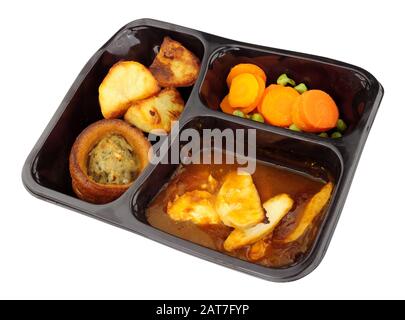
{"x":356,"y":91}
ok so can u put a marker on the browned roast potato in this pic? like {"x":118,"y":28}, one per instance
{"x":311,"y":211}
{"x":157,"y":112}
{"x":174,"y":65}
{"x":126,"y":82}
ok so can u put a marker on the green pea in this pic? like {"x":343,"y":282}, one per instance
{"x":284,"y":80}
{"x":238,"y":113}
{"x":257,"y":117}
{"x":294,"y":127}
{"x":341,"y":125}
{"x":323,"y":135}
{"x":336,"y":135}
{"x":301,"y":88}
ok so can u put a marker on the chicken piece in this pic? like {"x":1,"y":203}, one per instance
{"x":157,"y":112}
{"x":174,"y":65}
{"x":126,"y":81}
{"x":196,"y":206}
{"x":276,"y":208}
{"x":238,"y":202}
{"x":311,"y":211}
{"x":257,"y":250}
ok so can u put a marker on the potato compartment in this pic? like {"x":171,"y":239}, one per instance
{"x":354,"y":90}
{"x":80,"y":107}
{"x":295,"y":155}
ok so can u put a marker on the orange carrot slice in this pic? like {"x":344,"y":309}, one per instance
{"x":268,"y":89}
{"x":258,"y":100}
{"x":244,"y":91}
{"x":262,"y":87}
{"x":276,"y":106}
{"x":245,"y":68}
{"x":318,"y":110}
{"x":225,"y":106}
{"x":297,"y":118}
{"x":273,"y":86}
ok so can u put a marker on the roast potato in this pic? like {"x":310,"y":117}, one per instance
{"x":126,"y":82}
{"x":174,"y":65}
{"x":311,"y":211}
{"x":157,"y":112}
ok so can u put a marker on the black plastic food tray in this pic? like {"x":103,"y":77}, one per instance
{"x":357,"y":93}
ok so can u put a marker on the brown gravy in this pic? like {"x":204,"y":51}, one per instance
{"x":269,"y":180}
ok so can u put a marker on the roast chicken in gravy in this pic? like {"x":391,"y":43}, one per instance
{"x":270,"y":217}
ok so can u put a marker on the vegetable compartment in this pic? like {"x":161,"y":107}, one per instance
{"x":353,"y":90}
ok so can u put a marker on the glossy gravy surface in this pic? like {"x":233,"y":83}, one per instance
{"x":269,"y":180}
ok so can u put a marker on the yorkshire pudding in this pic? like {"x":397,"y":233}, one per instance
{"x":105,"y":159}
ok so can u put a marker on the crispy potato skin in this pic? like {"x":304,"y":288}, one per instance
{"x":174,"y":65}
{"x":157,"y":112}
{"x":126,"y":82}
{"x":85,"y":187}
{"x":314,"y":207}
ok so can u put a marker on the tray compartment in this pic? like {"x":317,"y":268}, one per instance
{"x":287,"y":152}
{"x":353,"y":89}
{"x":81,"y":108}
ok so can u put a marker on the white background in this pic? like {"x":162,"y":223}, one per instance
{"x":51,"y":252}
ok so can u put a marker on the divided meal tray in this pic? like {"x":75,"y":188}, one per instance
{"x":357,"y":93}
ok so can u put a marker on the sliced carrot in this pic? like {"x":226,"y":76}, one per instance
{"x":276,"y":106}
{"x":262,"y":87}
{"x":225,"y":106}
{"x":245,"y":68}
{"x":269,"y":88}
{"x":315,"y":112}
{"x":244,"y":91}
{"x":273,"y":86}
{"x":256,"y":103}
{"x":318,"y":110}
{"x":296,"y":116}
